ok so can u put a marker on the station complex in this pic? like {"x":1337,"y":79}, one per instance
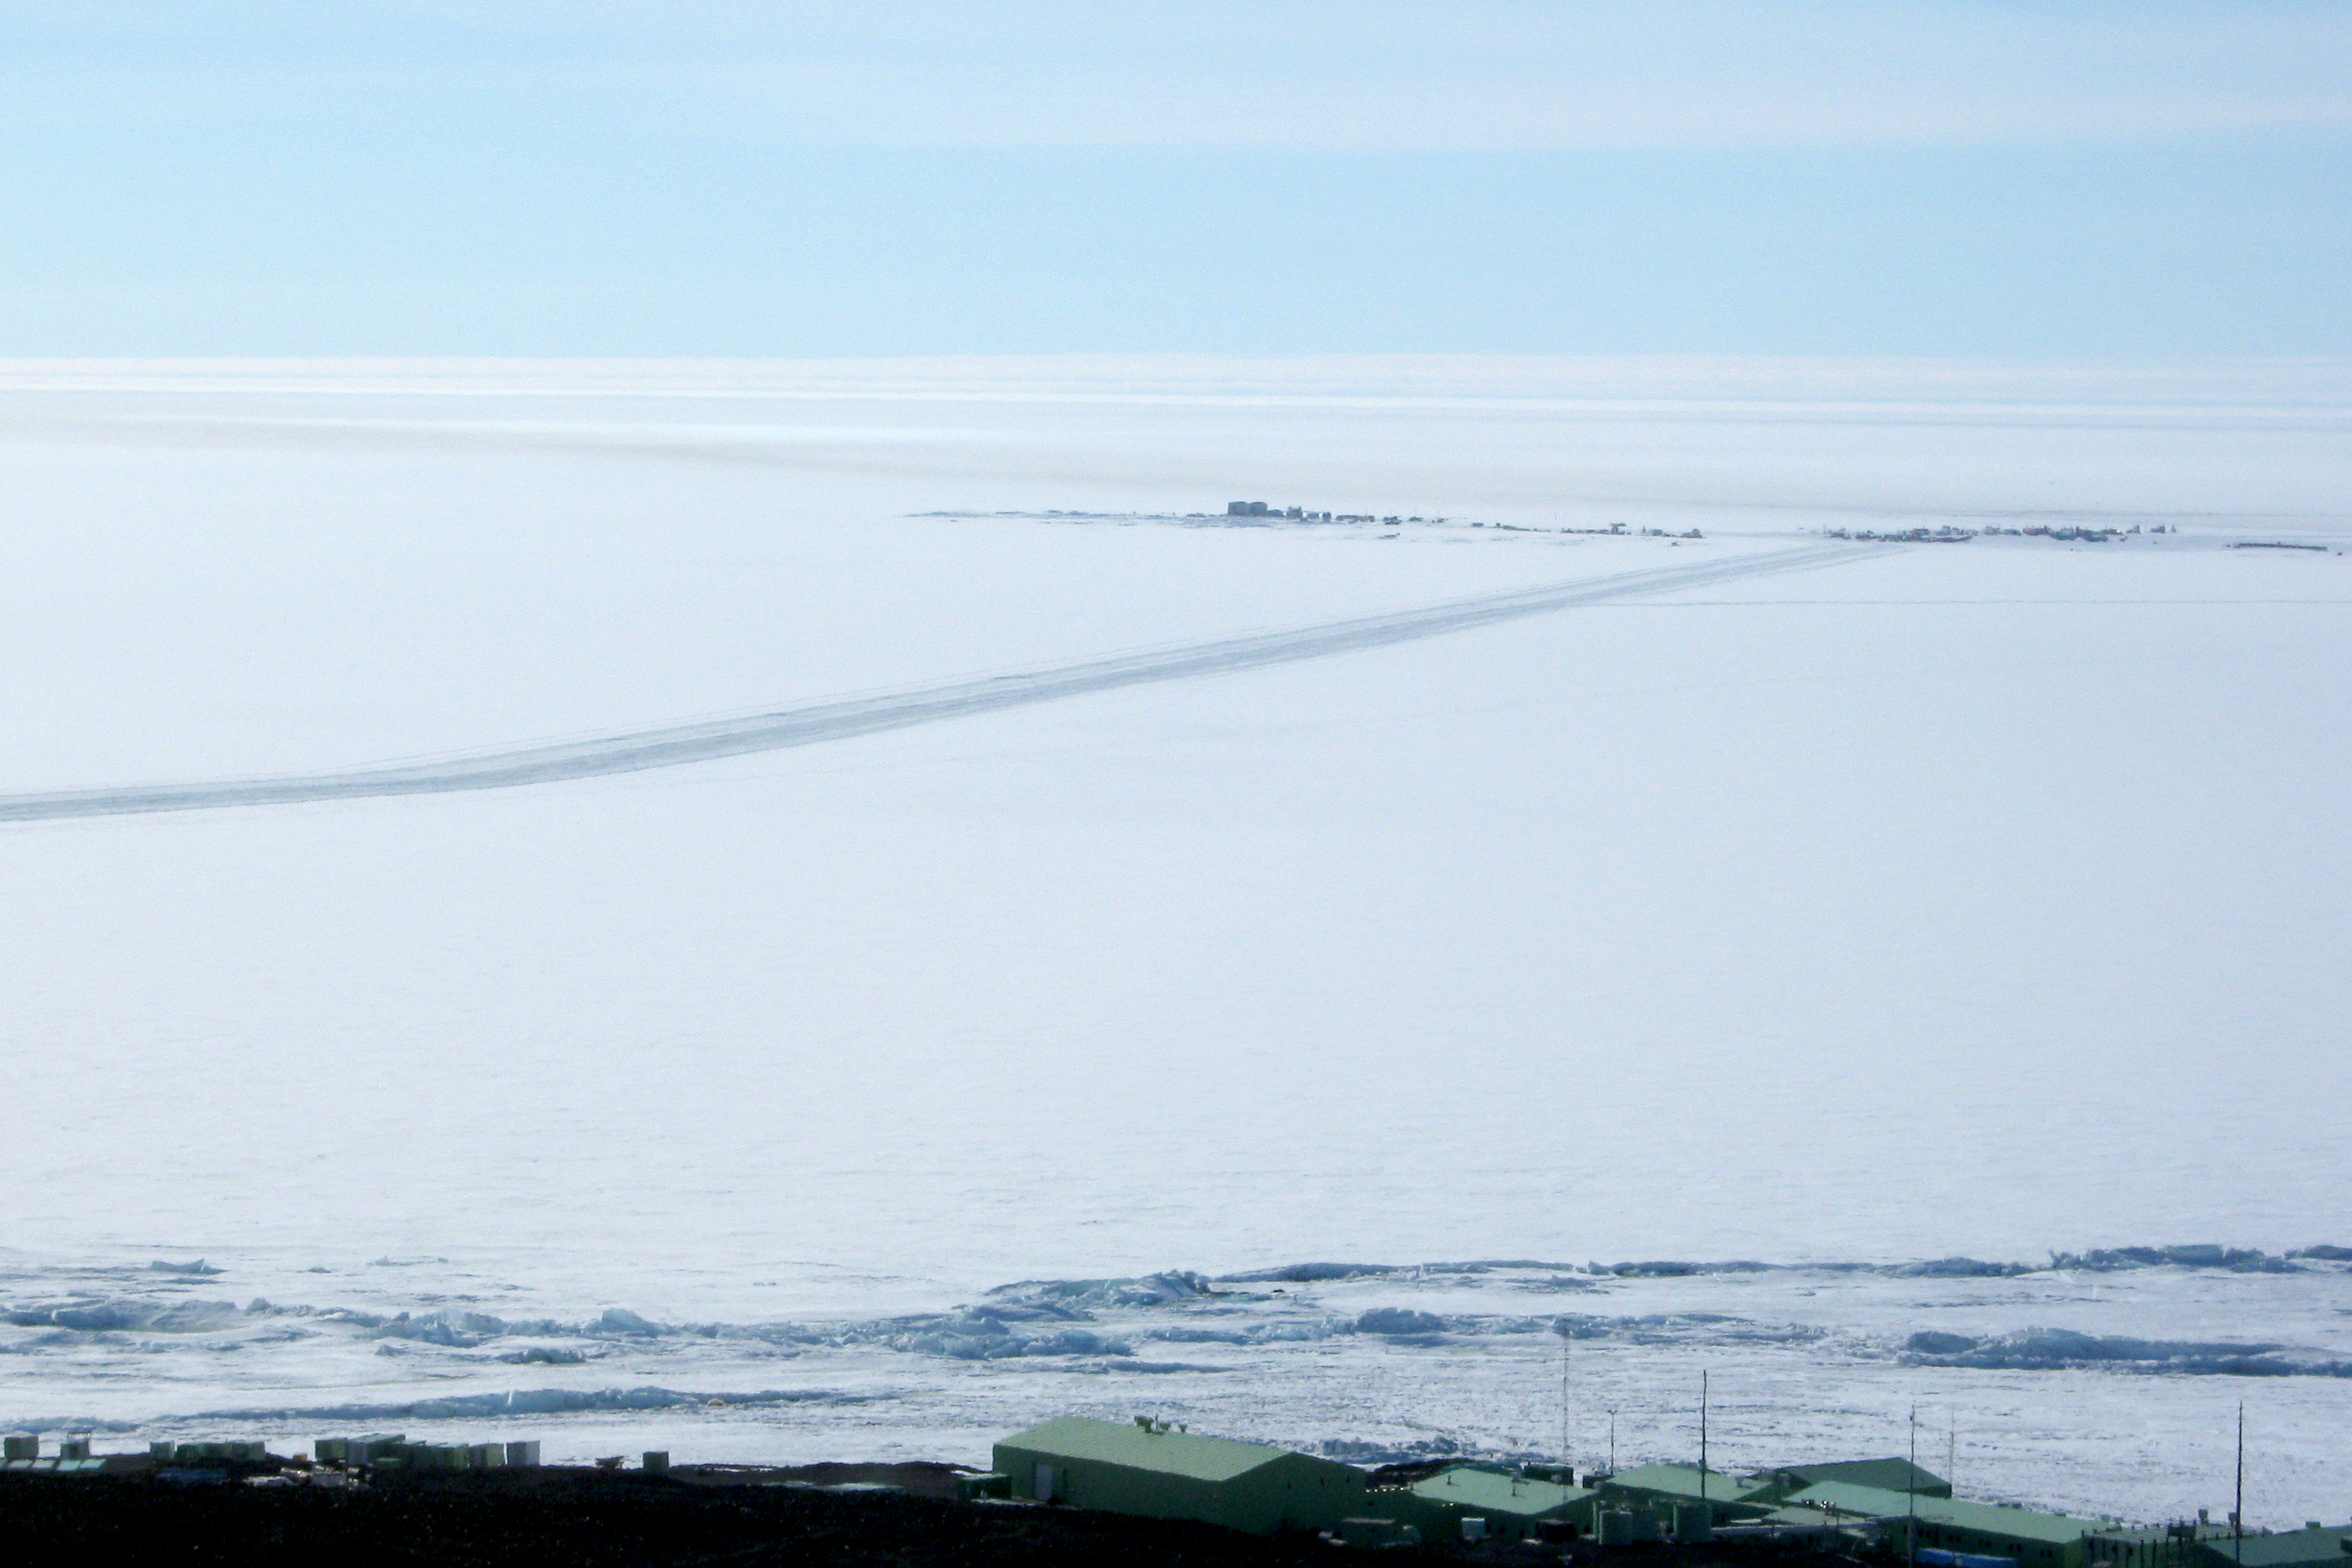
{"x":1151,"y":1468}
{"x":1155,"y":1470}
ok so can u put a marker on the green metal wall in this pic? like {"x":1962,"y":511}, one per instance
{"x":1293,"y":1492}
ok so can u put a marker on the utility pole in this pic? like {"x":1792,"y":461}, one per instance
{"x":1702,"y":1435}
{"x":1911,"y":1496}
{"x":1566,"y":1461}
{"x":2238,"y":1513}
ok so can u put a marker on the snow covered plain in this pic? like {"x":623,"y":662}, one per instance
{"x":1980,"y":901}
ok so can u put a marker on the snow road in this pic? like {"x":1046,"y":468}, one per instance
{"x":777,"y":729}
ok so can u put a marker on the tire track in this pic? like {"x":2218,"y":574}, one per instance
{"x":811,"y":723}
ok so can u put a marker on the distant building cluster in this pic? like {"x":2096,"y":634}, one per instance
{"x":392,"y":1450}
{"x":1948,"y":534}
{"x":1614,"y":530}
{"x":1151,"y":1468}
{"x":1943,"y":535}
{"x":1303,"y":514}
{"x":1258,"y":513}
{"x":2092,"y":535}
{"x":334,"y":1461}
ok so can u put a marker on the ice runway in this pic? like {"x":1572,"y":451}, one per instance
{"x":808,"y":725}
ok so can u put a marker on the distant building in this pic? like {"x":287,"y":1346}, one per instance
{"x":1160,"y":1471}
{"x":1246,"y":508}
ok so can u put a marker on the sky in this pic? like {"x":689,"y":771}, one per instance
{"x":2154,"y":180}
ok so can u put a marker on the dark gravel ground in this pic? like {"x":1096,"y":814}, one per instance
{"x":570,"y":1518}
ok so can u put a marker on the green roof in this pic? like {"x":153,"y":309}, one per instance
{"x":1684,"y":1481}
{"x":1129,"y":1443}
{"x":1483,"y":1490}
{"x":1893,"y":1475}
{"x":2323,"y":1545}
{"x":1989,"y":1518}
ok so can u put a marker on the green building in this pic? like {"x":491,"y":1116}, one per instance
{"x":1887,"y":1475}
{"x":2314,"y":1543}
{"x":1980,"y":1529}
{"x":1512,"y":1504}
{"x":1151,"y":1469}
{"x":1651,"y":1486}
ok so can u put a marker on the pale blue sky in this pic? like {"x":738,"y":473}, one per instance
{"x":204,"y":176}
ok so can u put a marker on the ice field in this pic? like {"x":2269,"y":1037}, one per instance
{"x":876,"y":1093}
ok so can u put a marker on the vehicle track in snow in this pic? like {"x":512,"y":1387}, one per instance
{"x":808,"y":723}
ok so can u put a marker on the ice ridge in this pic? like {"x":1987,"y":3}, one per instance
{"x":2062,"y":1350}
{"x":2234,"y":1260}
{"x":535,"y":1401}
{"x":526,"y":1402}
{"x":116,"y":1315}
{"x":2237,"y":1259}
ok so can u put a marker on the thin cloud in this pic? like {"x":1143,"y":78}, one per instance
{"x":1381,"y":74}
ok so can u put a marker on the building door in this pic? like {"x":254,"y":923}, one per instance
{"x":1044,"y":1490}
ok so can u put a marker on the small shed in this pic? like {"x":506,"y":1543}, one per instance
{"x":1160,"y":1471}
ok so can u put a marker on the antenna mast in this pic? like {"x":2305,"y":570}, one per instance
{"x":1911,"y":1496}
